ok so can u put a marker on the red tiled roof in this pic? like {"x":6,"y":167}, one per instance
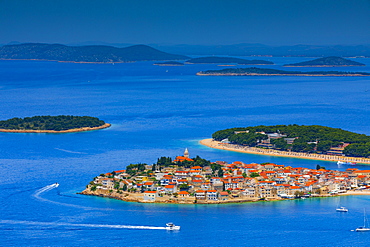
{"x":362,"y":171}
{"x":120,"y":171}
{"x":181,"y":159}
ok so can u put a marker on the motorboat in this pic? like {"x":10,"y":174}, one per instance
{"x":346,"y":163}
{"x":342,"y":209}
{"x":172,"y":227}
{"x":56,"y":184}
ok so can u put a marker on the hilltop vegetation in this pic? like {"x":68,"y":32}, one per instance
{"x":226,"y":60}
{"x":326,"y":62}
{"x":313,"y":138}
{"x":87,"y":54}
{"x":56,"y":123}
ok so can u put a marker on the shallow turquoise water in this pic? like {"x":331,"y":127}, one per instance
{"x":158,"y":111}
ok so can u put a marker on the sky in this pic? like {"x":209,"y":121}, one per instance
{"x":191,"y":22}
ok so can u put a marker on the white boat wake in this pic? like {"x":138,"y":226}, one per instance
{"x":44,"y":189}
{"x":56,"y":224}
{"x":69,"y":151}
{"x":39,"y":192}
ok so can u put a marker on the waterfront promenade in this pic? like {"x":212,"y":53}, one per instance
{"x":272,"y":152}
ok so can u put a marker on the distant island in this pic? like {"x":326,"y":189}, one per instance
{"x":253,"y":71}
{"x":52,"y":124}
{"x":84,"y":54}
{"x":196,"y":180}
{"x":311,"y":139}
{"x":226,"y":60}
{"x":326,"y":62}
{"x":169,"y":63}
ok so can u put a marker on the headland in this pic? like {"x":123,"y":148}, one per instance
{"x":187,"y":180}
{"x":272,"y":152}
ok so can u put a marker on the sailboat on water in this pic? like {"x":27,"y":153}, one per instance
{"x":363,"y":228}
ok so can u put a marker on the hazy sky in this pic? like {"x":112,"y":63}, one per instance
{"x":202,"y":22}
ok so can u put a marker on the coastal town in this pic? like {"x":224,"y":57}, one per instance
{"x":194,"y":180}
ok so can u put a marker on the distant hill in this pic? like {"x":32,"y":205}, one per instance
{"x":253,"y":71}
{"x":227,"y":60}
{"x":326,"y":62}
{"x":85,"y":54}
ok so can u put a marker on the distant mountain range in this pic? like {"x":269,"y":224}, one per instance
{"x":326,"y":62}
{"x":266,"y":50}
{"x":85,"y":54}
{"x":226,"y":60}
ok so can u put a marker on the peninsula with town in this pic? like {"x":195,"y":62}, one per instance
{"x":52,"y":124}
{"x":187,"y":180}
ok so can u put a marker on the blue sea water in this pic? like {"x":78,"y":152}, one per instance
{"x":159,"y":111}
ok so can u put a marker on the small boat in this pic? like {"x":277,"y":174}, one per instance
{"x":342,"y":209}
{"x":363,"y":228}
{"x":56,"y":184}
{"x":346,"y":163}
{"x":172,"y":227}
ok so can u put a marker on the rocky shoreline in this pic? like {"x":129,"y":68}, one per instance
{"x":139,"y":197}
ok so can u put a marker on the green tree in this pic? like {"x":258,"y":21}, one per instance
{"x":324,"y":146}
{"x":254,"y":174}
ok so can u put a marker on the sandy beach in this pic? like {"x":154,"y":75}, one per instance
{"x":271,"y":152}
{"x":107,"y":125}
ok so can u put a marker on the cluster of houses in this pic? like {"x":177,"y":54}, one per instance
{"x":240,"y":182}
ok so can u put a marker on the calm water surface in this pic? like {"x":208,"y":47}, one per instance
{"x":158,"y":111}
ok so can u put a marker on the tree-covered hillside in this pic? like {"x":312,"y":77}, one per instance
{"x":56,"y":123}
{"x":90,"y":54}
{"x":313,"y":138}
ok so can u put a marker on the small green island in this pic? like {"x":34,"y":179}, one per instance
{"x":314,"y":139}
{"x":52,"y":124}
{"x":227,"y":60}
{"x":326,"y":62}
{"x":253,"y":71}
{"x":169,"y":63}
